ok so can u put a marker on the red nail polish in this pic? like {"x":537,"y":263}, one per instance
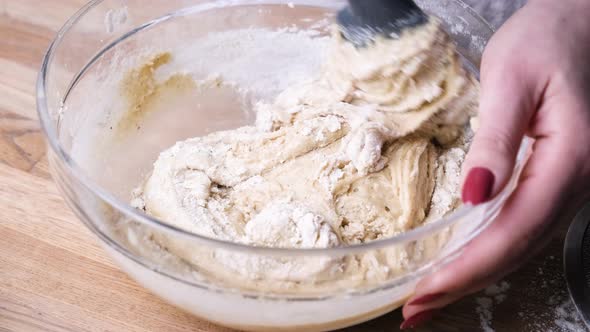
{"x":427,"y":299}
{"x":478,"y":186}
{"x":418,"y":319}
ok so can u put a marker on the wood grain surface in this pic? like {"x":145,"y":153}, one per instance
{"x":55,"y":277}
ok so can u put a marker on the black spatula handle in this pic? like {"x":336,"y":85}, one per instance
{"x":381,"y":13}
{"x":363,"y":19}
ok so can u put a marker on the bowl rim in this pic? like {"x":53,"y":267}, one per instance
{"x":129,"y":212}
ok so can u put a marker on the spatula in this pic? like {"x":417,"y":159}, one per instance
{"x":362,"y":20}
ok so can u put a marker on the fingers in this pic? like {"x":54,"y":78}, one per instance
{"x":506,"y":109}
{"x":513,"y":237}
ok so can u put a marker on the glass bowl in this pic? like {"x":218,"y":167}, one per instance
{"x":102,"y":146}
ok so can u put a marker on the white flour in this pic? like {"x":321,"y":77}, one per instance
{"x":567,"y":318}
{"x":555,"y":313}
{"x":494,"y":295}
{"x":236,"y":54}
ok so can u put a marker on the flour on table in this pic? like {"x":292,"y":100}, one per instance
{"x":494,"y":295}
{"x":550,"y":308}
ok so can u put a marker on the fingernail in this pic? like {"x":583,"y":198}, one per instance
{"x":418,"y":319}
{"x":427,"y":299}
{"x":478,"y":186}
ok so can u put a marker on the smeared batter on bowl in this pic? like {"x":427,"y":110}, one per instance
{"x":369,"y":149}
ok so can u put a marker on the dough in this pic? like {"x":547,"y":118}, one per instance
{"x":369,"y":149}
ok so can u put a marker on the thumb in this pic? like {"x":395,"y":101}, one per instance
{"x":506,"y":108}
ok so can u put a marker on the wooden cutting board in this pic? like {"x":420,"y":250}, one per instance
{"x":55,"y":277}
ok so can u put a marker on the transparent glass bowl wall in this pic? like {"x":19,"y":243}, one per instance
{"x":77,"y":101}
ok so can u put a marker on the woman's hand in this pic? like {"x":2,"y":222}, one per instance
{"x":535,"y":82}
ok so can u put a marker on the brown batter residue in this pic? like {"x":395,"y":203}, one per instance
{"x":142,"y":91}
